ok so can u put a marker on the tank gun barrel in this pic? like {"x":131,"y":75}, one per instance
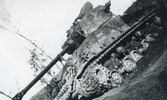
{"x":20,"y":95}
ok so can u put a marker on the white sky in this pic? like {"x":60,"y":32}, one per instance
{"x":45,"y":21}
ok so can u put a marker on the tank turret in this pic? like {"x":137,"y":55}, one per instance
{"x":88,"y":21}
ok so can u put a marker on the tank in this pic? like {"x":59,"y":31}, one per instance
{"x":105,"y":49}
{"x":110,"y":51}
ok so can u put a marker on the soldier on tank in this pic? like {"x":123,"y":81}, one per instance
{"x":85,"y":9}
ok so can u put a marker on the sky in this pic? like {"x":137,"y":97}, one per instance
{"x":42,"y":21}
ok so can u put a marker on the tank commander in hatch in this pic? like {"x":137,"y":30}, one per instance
{"x":87,"y":7}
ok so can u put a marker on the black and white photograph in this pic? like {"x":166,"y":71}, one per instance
{"x":83,"y":49}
